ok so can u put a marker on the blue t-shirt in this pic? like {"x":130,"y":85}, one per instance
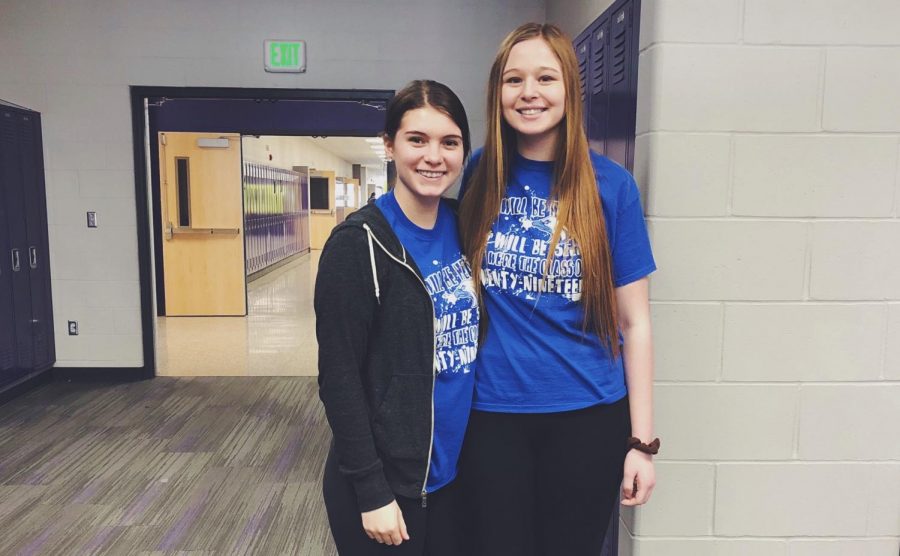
{"x":535,"y":358}
{"x":448,"y":279}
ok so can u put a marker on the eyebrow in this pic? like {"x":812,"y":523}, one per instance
{"x":541,"y":68}
{"x":415,"y":132}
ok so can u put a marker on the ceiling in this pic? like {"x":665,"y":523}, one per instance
{"x":354,"y":150}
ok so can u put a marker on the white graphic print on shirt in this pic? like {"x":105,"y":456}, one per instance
{"x":516,"y":256}
{"x":456,"y":330}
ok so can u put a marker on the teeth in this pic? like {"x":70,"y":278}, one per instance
{"x":430,"y":174}
{"x":531,"y":111}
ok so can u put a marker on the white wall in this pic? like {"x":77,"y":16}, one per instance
{"x":768,"y":139}
{"x":294,"y":151}
{"x":74,"y":60}
{"x":573,"y":16}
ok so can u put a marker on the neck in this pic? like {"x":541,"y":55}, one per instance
{"x":421,"y":211}
{"x":538,"y":147}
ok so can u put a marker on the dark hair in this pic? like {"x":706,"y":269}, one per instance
{"x":421,"y":93}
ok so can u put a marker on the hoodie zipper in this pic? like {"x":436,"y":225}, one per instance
{"x":433,"y":351}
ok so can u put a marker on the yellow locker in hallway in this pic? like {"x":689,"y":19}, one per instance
{"x":202,"y":223}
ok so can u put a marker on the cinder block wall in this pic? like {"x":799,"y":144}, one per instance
{"x":768,"y":145}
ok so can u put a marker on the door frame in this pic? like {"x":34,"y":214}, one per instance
{"x":143,"y":189}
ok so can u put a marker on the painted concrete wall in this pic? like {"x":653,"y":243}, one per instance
{"x":768,"y":141}
{"x":73,"y":61}
{"x":572,"y":16}
{"x":294,"y":151}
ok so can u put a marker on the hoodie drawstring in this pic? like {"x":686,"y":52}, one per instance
{"x":371,"y":237}
{"x":374,"y":270}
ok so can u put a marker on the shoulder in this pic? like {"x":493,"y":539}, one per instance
{"x":346,"y":240}
{"x":617,"y":185}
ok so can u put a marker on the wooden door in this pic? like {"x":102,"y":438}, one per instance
{"x":202,"y":223}
{"x":322,"y":220}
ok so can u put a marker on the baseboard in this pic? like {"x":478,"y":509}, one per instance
{"x":102,"y":374}
{"x":275,"y":266}
{"x":24,"y":385}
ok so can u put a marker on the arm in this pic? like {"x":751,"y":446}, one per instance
{"x":345,"y":308}
{"x":633,"y":302}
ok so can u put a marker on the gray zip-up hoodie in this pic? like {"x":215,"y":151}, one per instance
{"x":374,"y":324}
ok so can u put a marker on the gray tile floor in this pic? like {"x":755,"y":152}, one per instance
{"x":225,"y":465}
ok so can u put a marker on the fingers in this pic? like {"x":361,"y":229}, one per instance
{"x":403,"y":532}
{"x":628,"y":486}
{"x":392,"y":533}
{"x":637,"y":490}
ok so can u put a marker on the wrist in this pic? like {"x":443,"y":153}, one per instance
{"x":650,"y":448}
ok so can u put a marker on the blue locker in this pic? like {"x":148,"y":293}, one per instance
{"x":610,"y":80}
{"x":598,"y":99}
{"x":26,"y":313}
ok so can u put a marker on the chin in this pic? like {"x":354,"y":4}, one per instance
{"x":428,"y":191}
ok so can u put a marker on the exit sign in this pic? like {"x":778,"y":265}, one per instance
{"x":285,"y":56}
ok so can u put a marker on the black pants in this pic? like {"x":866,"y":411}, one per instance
{"x":433,"y":531}
{"x":543,"y":483}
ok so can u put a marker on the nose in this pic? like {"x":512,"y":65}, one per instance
{"x":529,"y":88}
{"x":433,"y":153}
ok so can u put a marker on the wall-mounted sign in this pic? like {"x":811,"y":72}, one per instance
{"x":285,"y":56}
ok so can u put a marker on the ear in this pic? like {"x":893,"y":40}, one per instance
{"x":388,"y":147}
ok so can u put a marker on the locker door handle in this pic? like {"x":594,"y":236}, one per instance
{"x":16,"y":264}
{"x":32,"y":256}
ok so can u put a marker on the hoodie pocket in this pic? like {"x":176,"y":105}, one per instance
{"x":402,"y":425}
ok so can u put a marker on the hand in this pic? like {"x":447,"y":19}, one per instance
{"x":639,"y":478}
{"x":385,"y":524}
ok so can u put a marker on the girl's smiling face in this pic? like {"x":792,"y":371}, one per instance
{"x":533,"y":95}
{"x":427,"y":151}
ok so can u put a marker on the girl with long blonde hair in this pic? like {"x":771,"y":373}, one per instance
{"x":562,"y":417}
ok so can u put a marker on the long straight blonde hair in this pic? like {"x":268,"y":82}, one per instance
{"x":574,"y":187}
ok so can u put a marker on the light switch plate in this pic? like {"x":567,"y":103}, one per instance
{"x":73,"y":328}
{"x":92,"y":219}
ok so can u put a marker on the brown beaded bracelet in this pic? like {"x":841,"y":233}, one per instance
{"x":635,"y":443}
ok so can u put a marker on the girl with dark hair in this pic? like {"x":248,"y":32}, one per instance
{"x":565,"y":366}
{"x":397,"y":325}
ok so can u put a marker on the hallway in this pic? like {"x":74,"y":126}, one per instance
{"x":206,"y":465}
{"x":276,"y":338}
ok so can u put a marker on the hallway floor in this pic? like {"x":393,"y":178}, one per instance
{"x":277,"y":338}
{"x":171,"y":465}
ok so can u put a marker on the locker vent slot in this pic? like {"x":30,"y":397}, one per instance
{"x":598,"y":66}
{"x":619,"y":48}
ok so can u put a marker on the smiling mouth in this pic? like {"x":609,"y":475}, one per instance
{"x":430,"y":174}
{"x":530,"y":111}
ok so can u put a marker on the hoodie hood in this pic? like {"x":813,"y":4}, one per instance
{"x":376,"y":225}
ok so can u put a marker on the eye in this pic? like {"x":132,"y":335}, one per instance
{"x":513,"y":80}
{"x":453,"y":143}
{"x":547,"y":78}
{"x":417,"y":140}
